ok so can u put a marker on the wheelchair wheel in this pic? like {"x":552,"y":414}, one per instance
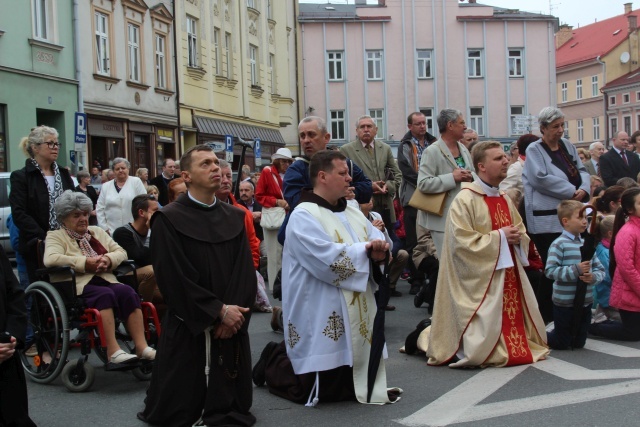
{"x":78,"y":376}
{"x":144,"y":371}
{"x":51,"y":333}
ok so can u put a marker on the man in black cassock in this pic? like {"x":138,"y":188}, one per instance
{"x":204,"y":270}
{"x":14,"y":407}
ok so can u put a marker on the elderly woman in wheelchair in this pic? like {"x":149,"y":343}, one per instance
{"x":93,"y":254}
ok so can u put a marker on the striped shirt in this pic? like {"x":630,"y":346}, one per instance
{"x":562,"y":266}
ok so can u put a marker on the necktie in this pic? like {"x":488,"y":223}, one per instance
{"x":370,"y":150}
{"x":624,"y":158}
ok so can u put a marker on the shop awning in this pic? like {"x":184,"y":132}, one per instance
{"x":248,"y":132}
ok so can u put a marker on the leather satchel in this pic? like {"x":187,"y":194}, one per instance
{"x":432,"y":203}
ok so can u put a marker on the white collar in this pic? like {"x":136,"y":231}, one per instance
{"x":215,"y":199}
{"x":488,"y":189}
{"x":572,"y":236}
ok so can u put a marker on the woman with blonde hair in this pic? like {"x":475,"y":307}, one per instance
{"x":34,"y":190}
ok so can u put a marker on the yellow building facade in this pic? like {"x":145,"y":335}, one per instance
{"x":236,"y":67}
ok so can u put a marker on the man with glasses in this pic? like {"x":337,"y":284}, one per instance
{"x":162,"y":181}
{"x":134,"y":238}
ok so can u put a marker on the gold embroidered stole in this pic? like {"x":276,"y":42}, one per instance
{"x":361,"y":306}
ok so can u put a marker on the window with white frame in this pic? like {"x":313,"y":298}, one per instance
{"x":337,"y":124}
{"x":42,"y":23}
{"x":272,"y":73}
{"x":595,"y":90}
{"x":428,"y":114}
{"x":192,"y":42}
{"x":335,"y":64}
{"x":626,"y":98}
{"x":102,"y":43}
{"x":626,"y":120}
{"x":579,"y":89}
{"x":269,"y":9}
{"x":515,"y":63}
{"x":378,"y":118}
{"x":476,"y":120}
{"x":251,"y":3}
{"x":228,"y":55}
{"x":217,"y":54}
{"x":374,"y":65}
{"x":612,"y":100}
{"x":516,"y":111}
{"x":161,"y":62}
{"x":564,"y":91}
{"x":133,"y":46}
{"x":424,"y":64}
{"x":580,"y":130}
{"x":596,"y":128}
{"x":253,"y":64}
{"x":613,"y":126}
{"x":474,"y":62}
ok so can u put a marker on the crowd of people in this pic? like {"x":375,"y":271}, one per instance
{"x":533,"y":247}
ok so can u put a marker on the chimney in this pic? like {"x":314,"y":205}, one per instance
{"x":563,"y":35}
{"x":633,"y":23}
{"x":627,"y":8}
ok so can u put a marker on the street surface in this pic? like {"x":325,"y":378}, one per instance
{"x":599,"y":385}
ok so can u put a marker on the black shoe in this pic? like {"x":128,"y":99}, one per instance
{"x":411,"y":343}
{"x":390,"y":307}
{"x":395,"y":293}
{"x":258,"y":373}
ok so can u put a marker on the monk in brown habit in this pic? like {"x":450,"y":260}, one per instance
{"x":487,"y":314}
{"x":204,"y":270}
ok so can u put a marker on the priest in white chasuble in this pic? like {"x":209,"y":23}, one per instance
{"x":486,"y":313}
{"x":328,"y":300}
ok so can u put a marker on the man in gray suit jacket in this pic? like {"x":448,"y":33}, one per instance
{"x":377,"y":162}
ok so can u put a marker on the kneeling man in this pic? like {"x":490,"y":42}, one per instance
{"x":487,"y":314}
{"x":327,"y":301}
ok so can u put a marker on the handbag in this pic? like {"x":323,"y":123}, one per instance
{"x":272,"y":218}
{"x":432,"y":202}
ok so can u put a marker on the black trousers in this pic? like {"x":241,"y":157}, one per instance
{"x":14,"y":406}
{"x":411,"y":240}
{"x":544,"y":289}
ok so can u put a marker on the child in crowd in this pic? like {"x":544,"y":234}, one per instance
{"x":152,"y":190}
{"x":565,"y":267}
{"x":624,"y":266}
{"x":603,"y":289}
{"x":400,"y":256}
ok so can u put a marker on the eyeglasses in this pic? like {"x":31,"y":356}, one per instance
{"x":51,"y":144}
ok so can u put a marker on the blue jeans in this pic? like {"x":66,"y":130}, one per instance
{"x":561,"y":338}
{"x":628,"y":330}
{"x":24,"y":283}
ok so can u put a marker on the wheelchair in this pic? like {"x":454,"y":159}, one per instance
{"x":56,"y":310}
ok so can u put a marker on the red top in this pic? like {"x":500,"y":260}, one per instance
{"x":269,"y":187}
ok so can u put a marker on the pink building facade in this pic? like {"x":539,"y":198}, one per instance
{"x":388,"y":60}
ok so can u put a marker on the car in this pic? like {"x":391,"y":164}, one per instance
{"x":5,"y":211}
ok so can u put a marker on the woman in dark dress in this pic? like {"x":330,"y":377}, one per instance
{"x":34,"y":190}
{"x":84,"y":181}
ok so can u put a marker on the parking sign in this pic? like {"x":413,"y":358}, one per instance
{"x":257,"y":153}
{"x":81,"y":128}
{"x":228,"y":141}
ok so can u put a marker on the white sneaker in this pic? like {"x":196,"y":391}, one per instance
{"x":598,"y":318}
{"x":550,"y":327}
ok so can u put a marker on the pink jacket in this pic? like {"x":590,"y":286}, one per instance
{"x":625,"y":289}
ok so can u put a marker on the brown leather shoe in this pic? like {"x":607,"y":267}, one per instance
{"x":390,"y":308}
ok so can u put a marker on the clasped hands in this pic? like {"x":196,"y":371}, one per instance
{"x":512,"y":234}
{"x":7,"y":350}
{"x":98,"y":264}
{"x":377,"y":249}
{"x":231,"y":320}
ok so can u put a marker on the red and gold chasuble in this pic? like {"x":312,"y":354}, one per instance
{"x":513,"y":331}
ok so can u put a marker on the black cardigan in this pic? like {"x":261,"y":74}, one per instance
{"x":29,"y":199}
